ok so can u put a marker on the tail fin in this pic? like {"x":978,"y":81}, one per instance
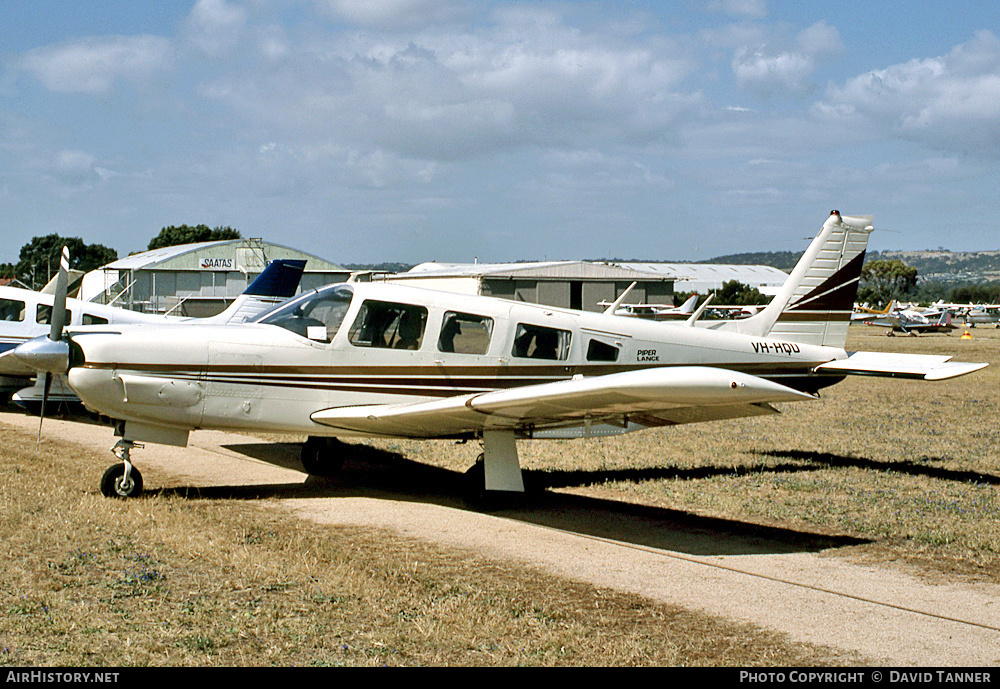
{"x":687,"y":308}
{"x":278,"y":282}
{"x":814,"y":305}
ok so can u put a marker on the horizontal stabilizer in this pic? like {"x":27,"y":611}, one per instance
{"x":923,"y":366}
{"x":688,"y":392}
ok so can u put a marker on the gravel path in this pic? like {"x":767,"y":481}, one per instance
{"x":776,"y":579}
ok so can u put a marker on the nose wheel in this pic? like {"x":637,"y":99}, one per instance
{"x":122,"y":480}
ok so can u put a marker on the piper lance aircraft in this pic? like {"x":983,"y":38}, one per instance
{"x":384,"y":360}
{"x":26,"y":314}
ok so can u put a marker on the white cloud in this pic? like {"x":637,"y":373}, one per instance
{"x":769,"y":74}
{"x":444,"y":96}
{"x":950,"y":102}
{"x":92,"y":65}
{"x":745,"y":8}
{"x":786,"y":71}
{"x":215,"y":26}
{"x":394,"y":14}
{"x":820,"y":39}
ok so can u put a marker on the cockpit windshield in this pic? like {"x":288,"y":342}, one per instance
{"x":316,"y":315}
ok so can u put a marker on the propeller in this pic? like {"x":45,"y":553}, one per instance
{"x":49,"y":354}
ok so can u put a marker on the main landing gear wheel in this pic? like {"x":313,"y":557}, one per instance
{"x":322,"y":456}
{"x":477,"y":497}
{"x":114,"y":483}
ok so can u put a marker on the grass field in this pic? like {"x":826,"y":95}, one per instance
{"x":907,"y":472}
{"x":911,"y":466}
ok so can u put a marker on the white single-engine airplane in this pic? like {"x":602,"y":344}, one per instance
{"x":384,"y":360}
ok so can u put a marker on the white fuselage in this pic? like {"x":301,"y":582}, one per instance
{"x":269,"y":377}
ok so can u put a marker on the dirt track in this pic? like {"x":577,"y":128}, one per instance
{"x":778,"y":579}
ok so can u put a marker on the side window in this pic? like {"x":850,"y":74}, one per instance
{"x":601,"y":351}
{"x":11,"y":310}
{"x":539,"y":342}
{"x":387,"y":325}
{"x":43,"y":314}
{"x":465,"y":333}
{"x":91,"y":319}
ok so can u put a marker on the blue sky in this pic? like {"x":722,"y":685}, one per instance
{"x":449,"y":130}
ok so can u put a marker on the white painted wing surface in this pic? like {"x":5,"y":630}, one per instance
{"x":662,"y":395}
{"x":923,"y":366}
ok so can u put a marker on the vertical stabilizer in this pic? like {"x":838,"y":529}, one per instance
{"x":278,"y":282}
{"x":815,"y":304}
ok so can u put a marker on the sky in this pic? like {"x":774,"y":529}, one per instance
{"x":367,"y":131}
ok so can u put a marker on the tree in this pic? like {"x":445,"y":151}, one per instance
{"x":882,"y":281}
{"x":735,"y":293}
{"x":39,"y":258}
{"x":175,"y":235}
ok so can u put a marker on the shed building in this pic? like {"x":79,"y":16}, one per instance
{"x":196,"y":279}
{"x":704,"y":278}
{"x":581,"y":285}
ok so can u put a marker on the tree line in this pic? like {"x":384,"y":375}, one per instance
{"x":38,"y":260}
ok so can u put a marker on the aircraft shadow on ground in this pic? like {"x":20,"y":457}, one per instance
{"x":373,"y":473}
{"x":910,"y":467}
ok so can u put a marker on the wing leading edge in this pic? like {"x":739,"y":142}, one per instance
{"x":652,"y":397}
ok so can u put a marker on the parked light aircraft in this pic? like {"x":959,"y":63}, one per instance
{"x":909,"y":321}
{"x":983,"y":314}
{"x":657,"y":312}
{"x":26,"y":314}
{"x":385,"y":360}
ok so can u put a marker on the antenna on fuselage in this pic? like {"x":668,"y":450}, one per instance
{"x":610,"y":311}
{"x":692,"y":319}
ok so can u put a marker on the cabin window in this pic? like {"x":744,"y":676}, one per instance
{"x":388,"y":325}
{"x":43,"y":314}
{"x":601,"y":351}
{"x":539,"y":342}
{"x":11,"y":310}
{"x":317,"y":315}
{"x":465,"y":333}
{"x":91,"y":319}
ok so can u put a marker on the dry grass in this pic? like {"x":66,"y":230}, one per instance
{"x":171,"y":580}
{"x":911,"y":467}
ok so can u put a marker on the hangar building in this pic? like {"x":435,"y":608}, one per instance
{"x":582,"y":285}
{"x":704,"y":278}
{"x":196,"y":279}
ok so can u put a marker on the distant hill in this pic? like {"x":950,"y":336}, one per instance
{"x":782,"y":260}
{"x":943,"y":266}
{"x":938,"y":265}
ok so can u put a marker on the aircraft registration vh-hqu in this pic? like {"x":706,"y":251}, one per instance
{"x":383,"y":360}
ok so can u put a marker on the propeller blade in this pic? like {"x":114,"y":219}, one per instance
{"x":58,"y":320}
{"x":41,"y":412}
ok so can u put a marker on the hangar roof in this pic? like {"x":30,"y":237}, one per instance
{"x":544,"y":270}
{"x":185,"y":256}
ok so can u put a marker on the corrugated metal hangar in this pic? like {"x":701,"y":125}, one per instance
{"x":196,"y":279}
{"x":708,"y":277}
{"x":567,"y":284}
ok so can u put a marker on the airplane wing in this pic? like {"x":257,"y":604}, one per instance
{"x":652,"y":397}
{"x":923,"y":366}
